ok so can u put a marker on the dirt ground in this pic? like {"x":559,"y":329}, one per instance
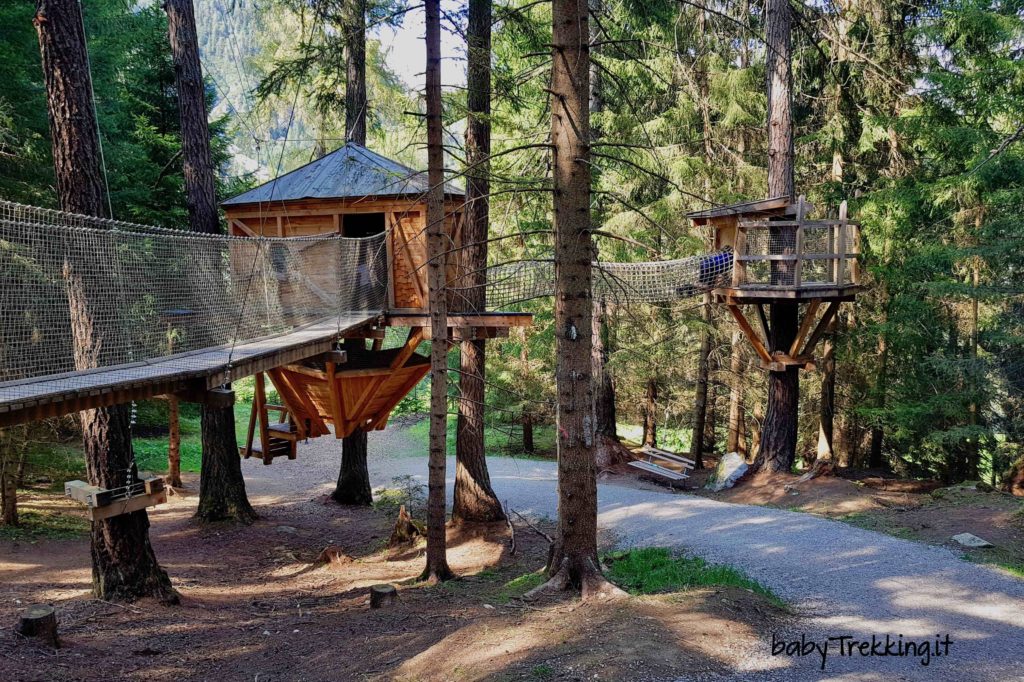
{"x":256,"y":606}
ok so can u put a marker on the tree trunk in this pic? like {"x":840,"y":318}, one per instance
{"x":779,"y":433}
{"x":173,"y":443}
{"x":573,"y":562}
{"x":736,"y":438}
{"x":124,"y":565}
{"x":650,"y":414}
{"x":353,"y":486}
{"x":827,"y":409}
{"x":528,"y":445}
{"x":354,"y":19}
{"x":437,"y":562}
{"x":875,"y":458}
{"x":222,"y":488}
{"x":201,"y":196}
{"x":8,"y":480}
{"x":604,"y":386}
{"x":700,"y":411}
{"x":474,"y":500}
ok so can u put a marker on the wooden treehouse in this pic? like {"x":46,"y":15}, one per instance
{"x":781,"y":256}
{"x":354,"y":192}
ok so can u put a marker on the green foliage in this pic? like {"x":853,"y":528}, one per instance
{"x":653,"y":570}
{"x":45,"y":525}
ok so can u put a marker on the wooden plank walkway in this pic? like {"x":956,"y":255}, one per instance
{"x":54,"y":395}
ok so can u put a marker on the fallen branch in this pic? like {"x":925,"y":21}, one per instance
{"x":533,"y":527}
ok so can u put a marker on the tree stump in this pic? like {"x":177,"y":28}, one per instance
{"x":405,"y":531}
{"x":382,"y":595}
{"x":39,"y":621}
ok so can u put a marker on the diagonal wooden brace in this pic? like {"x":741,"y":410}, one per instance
{"x":751,"y":335}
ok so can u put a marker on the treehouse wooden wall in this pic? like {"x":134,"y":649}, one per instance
{"x":406,"y":243}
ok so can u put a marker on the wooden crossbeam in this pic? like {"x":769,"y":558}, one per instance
{"x":819,"y":331}
{"x":805,"y":327}
{"x":751,"y":335}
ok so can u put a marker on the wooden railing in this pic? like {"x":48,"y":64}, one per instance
{"x":800,"y":253}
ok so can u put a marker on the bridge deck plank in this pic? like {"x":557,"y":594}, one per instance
{"x":54,"y":395}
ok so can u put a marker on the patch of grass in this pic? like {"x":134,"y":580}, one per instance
{"x":517,"y":587}
{"x":542,"y":671}
{"x":653,"y":570}
{"x":499,"y":440}
{"x":50,"y":464}
{"x":51,"y":525}
{"x":151,"y":451}
{"x":406,"y":491}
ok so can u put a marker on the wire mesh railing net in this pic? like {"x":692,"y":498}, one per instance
{"x":825,"y":252}
{"x":78,"y":293}
{"x":620,"y":283}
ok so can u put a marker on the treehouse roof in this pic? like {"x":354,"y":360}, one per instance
{"x":773,"y":206}
{"x":349,"y":172}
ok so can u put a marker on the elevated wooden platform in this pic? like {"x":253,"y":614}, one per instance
{"x":359,"y":394}
{"x":190,"y":374}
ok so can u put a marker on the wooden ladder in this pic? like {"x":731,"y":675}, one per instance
{"x":277,"y":439}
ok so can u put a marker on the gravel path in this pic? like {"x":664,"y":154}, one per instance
{"x":840,"y":580}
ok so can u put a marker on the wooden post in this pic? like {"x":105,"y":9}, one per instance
{"x":798,"y":265}
{"x":39,"y":621}
{"x":840,"y":248}
{"x":739,"y":266}
{"x":260,"y":407}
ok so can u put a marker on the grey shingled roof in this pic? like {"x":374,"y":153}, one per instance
{"x":352,"y":171}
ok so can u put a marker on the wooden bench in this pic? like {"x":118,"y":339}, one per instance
{"x":649,"y":465}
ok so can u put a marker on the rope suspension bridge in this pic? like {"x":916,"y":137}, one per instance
{"x":172,"y":311}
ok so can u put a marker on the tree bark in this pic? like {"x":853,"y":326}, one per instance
{"x":650,"y":413}
{"x":173,"y":443}
{"x":827,"y":408}
{"x":353,"y":486}
{"x":124,"y":565}
{"x":573,"y":562}
{"x":354,"y":18}
{"x":736,"y":438}
{"x":700,"y":411}
{"x":604,"y":385}
{"x":474,"y":500}
{"x":437,"y":562}
{"x":224,"y":492}
{"x":779,"y":433}
{"x":8,"y":481}
{"x":528,"y":445}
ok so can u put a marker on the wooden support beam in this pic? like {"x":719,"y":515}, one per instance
{"x":805,"y":326}
{"x":259,"y":405}
{"x":830,"y":312}
{"x":763,"y":318}
{"x":751,"y":335}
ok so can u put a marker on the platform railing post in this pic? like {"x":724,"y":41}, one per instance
{"x":841,"y":232}
{"x":739,"y":266}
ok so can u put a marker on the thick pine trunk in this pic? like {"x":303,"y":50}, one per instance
{"x":573,"y":560}
{"x":354,"y":18}
{"x":474,"y":500}
{"x":827,"y":408}
{"x":8,"y":481}
{"x":779,"y":433}
{"x":528,"y":445}
{"x":224,"y":490}
{"x":353,"y":486}
{"x":124,"y":565}
{"x":437,"y":561}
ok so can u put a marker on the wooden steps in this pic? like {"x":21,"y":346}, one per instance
{"x":668,"y":460}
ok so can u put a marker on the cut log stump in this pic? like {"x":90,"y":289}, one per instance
{"x":382,"y":595}
{"x":39,"y":621}
{"x":405,"y":531}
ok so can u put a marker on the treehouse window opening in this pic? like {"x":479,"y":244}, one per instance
{"x":358,"y":225}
